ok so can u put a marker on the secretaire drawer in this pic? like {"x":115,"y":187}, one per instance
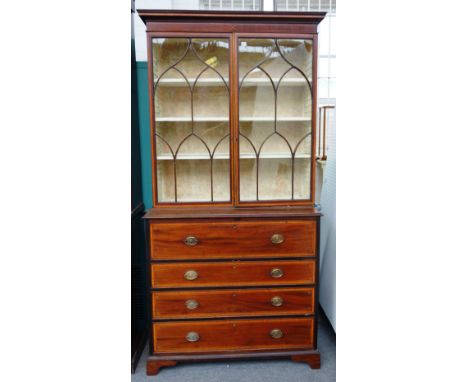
{"x":248,"y":334}
{"x":232,"y":302}
{"x":233,"y":273}
{"x":200,"y":240}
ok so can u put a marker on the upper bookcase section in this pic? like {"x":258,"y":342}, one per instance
{"x":227,"y":22}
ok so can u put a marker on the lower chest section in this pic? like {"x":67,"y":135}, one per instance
{"x":233,"y":285}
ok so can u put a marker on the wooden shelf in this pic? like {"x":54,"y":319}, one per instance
{"x":189,"y":119}
{"x":205,"y":156}
{"x":300,"y":81}
{"x":226,"y":119}
{"x":275,"y":156}
{"x":182,"y":82}
{"x":279,"y":119}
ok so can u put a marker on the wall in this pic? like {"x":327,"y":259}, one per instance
{"x":145,"y":133}
{"x":328,"y":226}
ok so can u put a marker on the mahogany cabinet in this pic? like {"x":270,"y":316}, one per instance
{"x":233,"y":234}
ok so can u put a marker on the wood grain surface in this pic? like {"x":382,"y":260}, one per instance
{"x":231,"y":274}
{"x":233,"y":335}
{"x":232,"y":239}
{"x":232,"y":303}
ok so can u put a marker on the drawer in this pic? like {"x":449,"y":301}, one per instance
{"x":220,"y":335}
{"x":233,"y":273}
{"x":233,"y":302}
{"x":202,"y":240}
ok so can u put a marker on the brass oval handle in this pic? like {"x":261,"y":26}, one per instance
{"x":191,"y":241}
{"x":276,"y":273}
{"x":191,"y":275}
{"x":192,"y":337}
{"x":191,"y":304}
{"x":276,"y":301}
{"x":277,"y":238}
{"x":276,"y":333}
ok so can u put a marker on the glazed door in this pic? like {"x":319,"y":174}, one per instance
{"x":191,"y":129}
{"x":275,"y":120}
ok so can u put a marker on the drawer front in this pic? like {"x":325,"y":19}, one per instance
{"x":248,"y":334}
{"x":233,"y":273}
{"x":233,"y":302}
{"x":201,"y":240}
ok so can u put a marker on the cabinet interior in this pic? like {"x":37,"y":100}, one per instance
{"x":192,"y":119}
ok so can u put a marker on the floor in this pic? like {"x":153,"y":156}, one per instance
{"x":251,"y":371}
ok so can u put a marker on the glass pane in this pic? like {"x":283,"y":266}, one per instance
{"x":332,"y":38}
{"x":275,"y":169}
{"x":332,"y":72}
{"x":331,"y":87}
{"x":323,"y":87}
{"x":275,"y":119}
{"x":324,"y":37}
{"x":242,"y":5}
{"x":165,"y":180}
{"x":302,"y":168}
{"x":247,"y":168}
{"x":323,"y":67}
{"x":191,"y":104}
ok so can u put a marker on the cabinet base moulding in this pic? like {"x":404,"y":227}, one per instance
{"x":155,"y":362}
